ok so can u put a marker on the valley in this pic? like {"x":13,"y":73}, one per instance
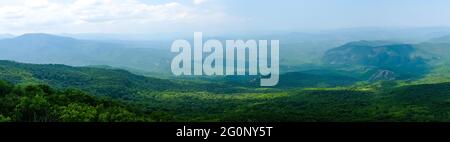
{"x":46,"y":78}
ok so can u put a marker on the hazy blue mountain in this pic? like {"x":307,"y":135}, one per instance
{"x":442,"y":39}
{"x":45,"y":48}
{"x":299,"y":48}
{"x":378,"y":53}
{"x":392,"y":59}
{"x":436,"y":49}
{"x":130,"y":37}
{"x":3,"y":36}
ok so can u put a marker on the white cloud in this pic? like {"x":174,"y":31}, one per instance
{"x":42,"y":15}
{"x":36,"y":3}
{"x":199,"y":1}
{"x":110,"y":11}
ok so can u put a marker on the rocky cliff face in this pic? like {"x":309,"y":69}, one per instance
{"x":383,"y":75}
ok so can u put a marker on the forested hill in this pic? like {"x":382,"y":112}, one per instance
{"x":100,"y":81}
{"x":41,"y":103}
{"x":24,"y":97}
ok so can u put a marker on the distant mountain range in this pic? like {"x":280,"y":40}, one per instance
{"x":388,"y":59}
{"x":443,"y":39}
{"x":3,"y":36}
{"x":45,"y":48}
{"x":437,"y":49}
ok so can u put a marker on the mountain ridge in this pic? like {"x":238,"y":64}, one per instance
{"x":47,"y":48}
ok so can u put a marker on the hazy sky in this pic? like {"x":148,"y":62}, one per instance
{"x":215,"y":16}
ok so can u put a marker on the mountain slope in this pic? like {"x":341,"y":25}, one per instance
{"x":400,"y":59}
{"x":109,"y":82}
{"x":305,"y":80}
{"x":372,"y":54}
{"x":114,"y":83}
{"x":164,"y":100}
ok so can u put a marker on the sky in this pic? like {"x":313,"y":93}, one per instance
{"x":215,"y":16}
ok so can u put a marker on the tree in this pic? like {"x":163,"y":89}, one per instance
{"x":76,"y":112}
{"x":117,"y":114}
{"x":5,"y":88}
{"x":4,"y":118}
{"x":33,"y":109}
